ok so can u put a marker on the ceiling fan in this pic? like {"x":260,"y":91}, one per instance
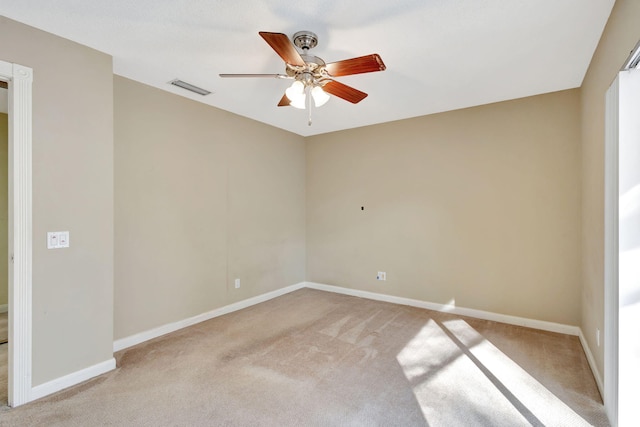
{"x":313,"y":78}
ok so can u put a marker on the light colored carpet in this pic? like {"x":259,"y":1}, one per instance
{"x":314,"y":358}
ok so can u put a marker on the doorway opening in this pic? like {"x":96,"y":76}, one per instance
{"x":4,"y":239}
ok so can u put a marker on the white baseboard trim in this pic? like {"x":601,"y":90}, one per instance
{"x":461,"y":311}
{"x":141,"y":337}
{"x":479,"y":314}
{"x":592,"y":363}
{"x":4,"y":308}
{"x":72,"y":379}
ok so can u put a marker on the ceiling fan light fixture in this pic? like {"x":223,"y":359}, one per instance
{"x":299,"y":102}
{"x":296,"y":95}
{"x":320,"y":97}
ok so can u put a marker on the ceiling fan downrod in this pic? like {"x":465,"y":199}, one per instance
{"x":308,"y":99}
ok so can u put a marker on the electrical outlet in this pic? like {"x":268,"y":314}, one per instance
{"x":598,"y":337}
{"x":381,"y":275}
{"x":237,"y":283}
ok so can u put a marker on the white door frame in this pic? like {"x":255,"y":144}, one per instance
{"x":620,"y":105}
{"x":20,"y":80}
{"x":611,"y":258}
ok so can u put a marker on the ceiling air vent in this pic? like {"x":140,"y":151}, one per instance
{"x":188,"y":86}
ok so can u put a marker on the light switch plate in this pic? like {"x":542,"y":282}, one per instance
{"x":63,"y":239}
{"x":57,"y":239}
{"x":52,"y":240}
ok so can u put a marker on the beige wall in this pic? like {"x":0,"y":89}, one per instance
{"x":620,"y":36}
{"x":4,"y":209}
{"x":480,"y":207}
{"x":202,"y":197}
{"x":72,"y":190}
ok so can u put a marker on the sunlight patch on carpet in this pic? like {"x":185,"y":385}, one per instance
{"x":450,"y":365}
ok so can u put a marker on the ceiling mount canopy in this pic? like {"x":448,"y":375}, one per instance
{"x":305,"y":40}
{"x":313,"y":78}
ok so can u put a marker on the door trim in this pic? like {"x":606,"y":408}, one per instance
{"x":20,"y":80}
{"x":611,"y":171}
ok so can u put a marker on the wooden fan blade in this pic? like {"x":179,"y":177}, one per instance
{"x":4,"y":84}
{"x":273,"y":76}
{"x":283,"y":47}
{"x":363,"y":64}
{"x":284,"y":102}
{"x":343,"y":91}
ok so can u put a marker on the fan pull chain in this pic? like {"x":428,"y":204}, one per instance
{"x":308,"y":99}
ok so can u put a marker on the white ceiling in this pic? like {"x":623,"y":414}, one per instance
{"x":440,"y":54}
